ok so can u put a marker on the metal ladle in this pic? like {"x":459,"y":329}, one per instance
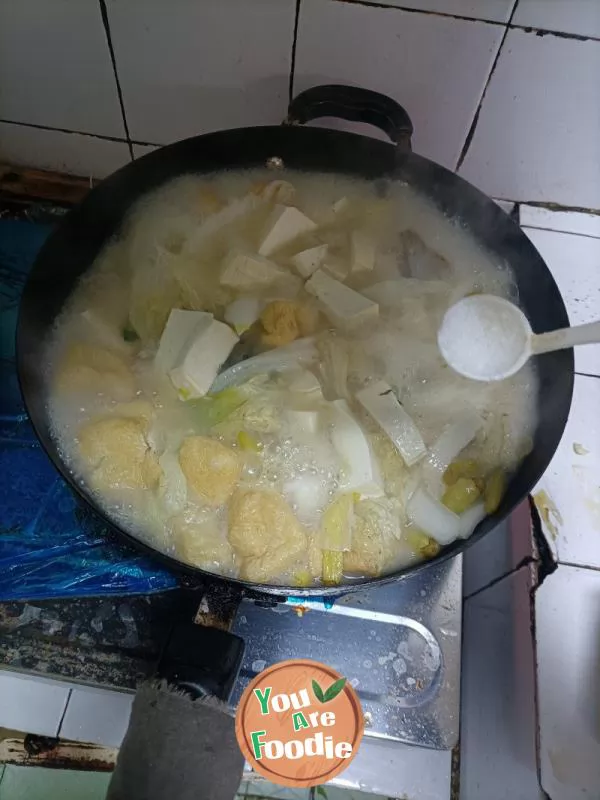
{"x":487,"y":338}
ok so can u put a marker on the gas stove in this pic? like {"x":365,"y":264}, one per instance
{"x":398,"y":644}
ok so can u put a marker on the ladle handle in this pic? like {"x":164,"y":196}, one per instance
{"x":565,"y":337}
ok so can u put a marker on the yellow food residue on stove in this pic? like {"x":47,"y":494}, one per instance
{"x":548,"y":512}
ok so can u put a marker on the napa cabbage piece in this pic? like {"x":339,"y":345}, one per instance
{"x":377,"y":541}
{"x":333,"y":366}
{"x":360,"y":472}
{"x":336,"y":537}
{"x":461,"y":495}
{"x":302,"y":352}
{"x":172,"y":487}
{"x":154,"y":292}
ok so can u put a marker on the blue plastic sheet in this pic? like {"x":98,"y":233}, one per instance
{"x":51,"y":545}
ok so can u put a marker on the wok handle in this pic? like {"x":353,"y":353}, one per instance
{"x":354,"y":104}
{"x":201,"y":656}
{"x":200,"y":660}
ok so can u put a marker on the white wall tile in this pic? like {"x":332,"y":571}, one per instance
{"x":498,"y":718}
{"x":31,"y":705}
{"x":190,"y":67}
{"x":435,"y":66}
{"x":55,"y":67}
{"x":572,"y":496}
{"x":140,"y":150}
{"x":494,"y":10}
{"x":567,"y":628}
{"x":575,"y":264}
{"x":538,"y":134}
{"x":64,"y":152}
{"x":100,"y":717}
{"x":565,"y":221}
{"x":568,"y":16}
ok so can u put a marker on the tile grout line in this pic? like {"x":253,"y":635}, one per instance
{"x":101,"y":136}
{"x":587,"y":375}
{"x":524,"y":562}
{"x":578,"y":566}
{"x":529,"y":226}
{"x":106,"y":24}
{"x":64,"y":130}
{"x":471,"y":131}
{"x":424,"y":12}
{"x":64,"y":713}
{"x":533,"y":29}
{"x":293,"y":54}
{"x":549,"y":205}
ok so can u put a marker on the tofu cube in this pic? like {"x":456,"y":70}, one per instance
{"x":180,"y":326}
{"x":286,"y":225}
{"x":362,"y":252}
{"x":308,"y":261}
{"x":249,"y":272}
{"x":201,"y":358}
{"x":338,"y":268}
{"x":342,"y":305}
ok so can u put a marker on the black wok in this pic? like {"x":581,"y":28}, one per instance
{"x":74,"y":245}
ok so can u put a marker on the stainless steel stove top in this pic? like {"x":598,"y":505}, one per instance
{"x":399,"y":646}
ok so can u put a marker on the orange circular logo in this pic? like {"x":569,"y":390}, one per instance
{"x":299,"y":723}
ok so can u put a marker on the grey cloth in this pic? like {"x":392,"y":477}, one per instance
{"x":177,"y":748}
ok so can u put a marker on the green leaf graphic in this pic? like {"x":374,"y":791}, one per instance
{"x":318,"y":692}
{"x":334,"y":690}
{"x":321,"y":792}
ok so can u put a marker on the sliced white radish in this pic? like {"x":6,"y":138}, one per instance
{"x":453,"y":441}
{"x":470,"y":518}
{"x":361,"y":473}
{"x":243,"y":312}
{"x":362,"y":252}
{"x":381,"y":403}
{"x":433,"y":518}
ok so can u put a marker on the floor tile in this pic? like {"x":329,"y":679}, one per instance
{"x":389,"y":769}
{"x":494,"y":10}
{"x":199,"y":67}
{"x":31,"y":705}
{"x":580,"y":17}
{"x":64,"y":152}
{"x":498,"y":716}
{"x":100,"y":717}
{"x":575,"y":264}
{"x":37,"y":783}
{"x":435,"y":66}
{"x":55,"y":67}
{"x":568,"y":494}
{"x":565,"y":221}
{"x":568,"y":655}
{"x":263,"y":789}
{"x":538,"y":133}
